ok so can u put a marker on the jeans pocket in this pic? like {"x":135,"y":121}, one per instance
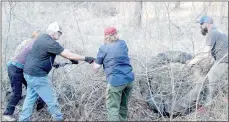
{"x":29,"y":79}
{"x":39,"y":81}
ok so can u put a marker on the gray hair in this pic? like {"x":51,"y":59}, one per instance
{"x":49,"y":32}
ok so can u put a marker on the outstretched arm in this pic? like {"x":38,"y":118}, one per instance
{"x":73,"y":56}
{"x":69,"y":55}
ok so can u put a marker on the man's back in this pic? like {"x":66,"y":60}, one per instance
{"x":22,"y":52}
{"x":219,"y":41}
{"x":116,"y":63}
{"x":21,"y":46}
{"x":39,"y":61}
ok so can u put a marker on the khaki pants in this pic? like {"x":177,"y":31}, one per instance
{"x":213,"y":75}
{"x":117,"y":101}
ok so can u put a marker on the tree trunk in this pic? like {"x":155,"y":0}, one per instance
{"x":205,"y":8}
{"x":177,"y":5}
{"x":138,"y":14}
{"x":221,"y":12}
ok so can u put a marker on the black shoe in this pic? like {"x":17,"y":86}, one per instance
{"x":40,"y":106}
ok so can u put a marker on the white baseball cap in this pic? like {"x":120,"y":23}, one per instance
{"x":53,"y":27}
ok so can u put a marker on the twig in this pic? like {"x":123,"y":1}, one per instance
{"x":151,"y":94}
{"x":71,"y":70}
{"x":95,"y":105}
{"x":203,"y":10}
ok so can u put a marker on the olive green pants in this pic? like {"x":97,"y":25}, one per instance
{"x":117,"y":101}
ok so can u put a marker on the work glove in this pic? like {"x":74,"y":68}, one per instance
{"x":59,"y":65}
{"x":89,"y":59}
{"x":74,"y":61}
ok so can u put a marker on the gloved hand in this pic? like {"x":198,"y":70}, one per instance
{"x":74,"y":61}
{"x":59,"y":65}
{"x":89,"y":59}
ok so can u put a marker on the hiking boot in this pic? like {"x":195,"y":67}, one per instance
{"x":40,"y":106}
{"x":8,"y":118}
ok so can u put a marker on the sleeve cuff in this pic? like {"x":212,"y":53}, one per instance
{"x":99,"y":61}
{"x":61,"y":50}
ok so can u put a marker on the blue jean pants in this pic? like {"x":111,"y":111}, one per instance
{"x":16,"y":80}
{"x":40,"y":86}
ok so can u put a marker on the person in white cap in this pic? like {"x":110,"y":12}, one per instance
{"x":37,"y":66}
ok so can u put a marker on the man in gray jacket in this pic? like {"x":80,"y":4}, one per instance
{"x":215,"y":50}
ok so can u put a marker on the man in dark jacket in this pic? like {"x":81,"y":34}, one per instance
{"x":37,"y":66}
